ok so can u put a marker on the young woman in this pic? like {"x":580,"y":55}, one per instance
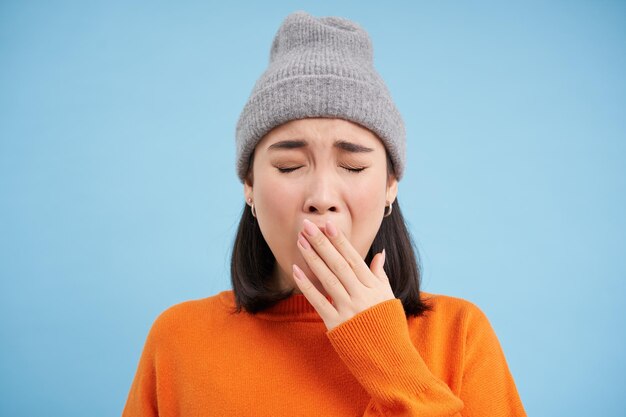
{"x":325,"y":317}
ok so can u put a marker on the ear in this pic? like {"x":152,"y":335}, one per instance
{"x":392,"y":189}
{"x":248,"y":189}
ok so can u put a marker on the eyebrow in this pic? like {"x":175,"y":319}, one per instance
{"x":340,"y":144}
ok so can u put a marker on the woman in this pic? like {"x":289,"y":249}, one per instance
{"x":325,"y":317}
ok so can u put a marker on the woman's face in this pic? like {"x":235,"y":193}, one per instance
{"x":318,"y":169}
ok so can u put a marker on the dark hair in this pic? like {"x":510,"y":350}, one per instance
{"x":252,"y":263}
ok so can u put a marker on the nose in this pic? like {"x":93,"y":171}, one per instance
{"x":321,"y":195}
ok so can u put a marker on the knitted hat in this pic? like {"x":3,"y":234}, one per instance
{"x":320,"y":67}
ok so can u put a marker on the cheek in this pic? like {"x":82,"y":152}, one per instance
{"x":367,"y":209}
{"x":277,"y":205}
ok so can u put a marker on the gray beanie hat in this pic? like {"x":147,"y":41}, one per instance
{"x":320,"y":67}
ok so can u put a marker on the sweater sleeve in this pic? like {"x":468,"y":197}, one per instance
{"x":142,"y":397}
{"x":487,"y":387}
{"x":376,"y":347}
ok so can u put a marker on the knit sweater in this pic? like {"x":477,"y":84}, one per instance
{"x":201,"y":359}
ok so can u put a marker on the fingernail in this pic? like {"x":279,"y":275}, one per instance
{"x":297,"y":272}
{"x":331,"y":230}
{"x":310,"y":228}
{"x":303,"y":242}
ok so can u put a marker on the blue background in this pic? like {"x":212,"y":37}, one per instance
{"x":119,"y":196}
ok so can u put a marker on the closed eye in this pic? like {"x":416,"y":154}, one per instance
{"x":286,"y":170}
{"x":347,"y":168}
{"x":354,"y":169}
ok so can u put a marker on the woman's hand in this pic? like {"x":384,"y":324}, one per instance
{"x":352,"y":285}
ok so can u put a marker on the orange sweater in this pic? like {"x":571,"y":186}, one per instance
{"x":202,"y":360}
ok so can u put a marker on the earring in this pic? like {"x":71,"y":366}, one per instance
{"x":252,"y":207}
{"x":387,"y":214}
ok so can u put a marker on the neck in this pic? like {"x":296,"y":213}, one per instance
{"x":286,"y":281}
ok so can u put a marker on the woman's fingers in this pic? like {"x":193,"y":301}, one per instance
{"x":333,"y":285}
{"x":349,"y":254}
{"x":348,"y":280}
{"x":329,"y":261}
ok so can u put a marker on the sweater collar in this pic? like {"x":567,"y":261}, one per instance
{"x":294,"y":308}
